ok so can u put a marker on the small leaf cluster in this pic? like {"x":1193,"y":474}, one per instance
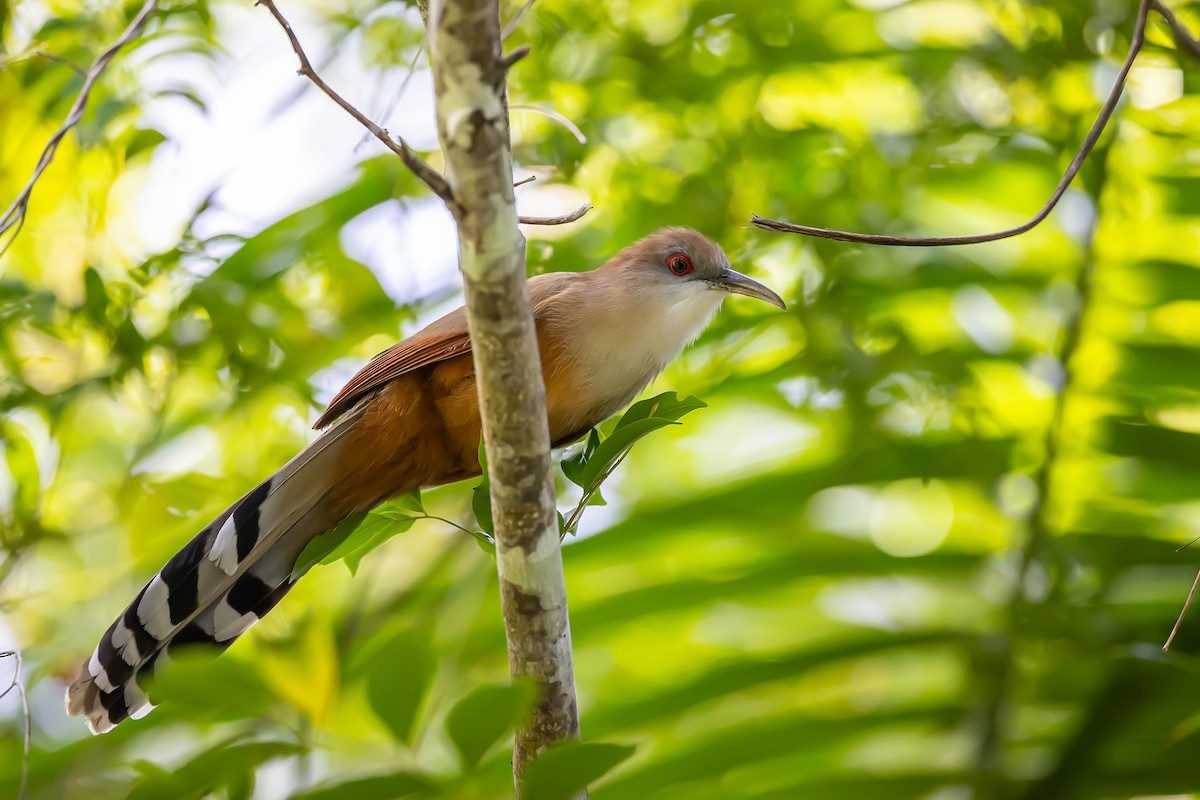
{"x":477,"y":726}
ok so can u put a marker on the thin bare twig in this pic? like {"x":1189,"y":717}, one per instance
{"x":1182,"y":613}
{"x":1110,"y":103}
{"x":37,"y":52}
{"x":557,"y":117}
{"x":15,"y":213}
{"x":28,"y":730}
{"x":66,"y":62}
{"x":509,"y":59}
{"x":1183,"y":40}
{"x":1186,"y":545}
{"x":515,"y":21}
{"x":524,"y":181}
{"x":563,"y":220}
{"x":586,"y":499}
{"x":425,"y":173}
{"x":395,"y":99}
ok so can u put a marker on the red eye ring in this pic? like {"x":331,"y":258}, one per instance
{"x":679,"y":263}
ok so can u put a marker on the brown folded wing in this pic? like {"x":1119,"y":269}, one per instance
{"x":411,"y":354}
{"x":442,"y":340}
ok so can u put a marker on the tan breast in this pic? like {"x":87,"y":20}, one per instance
{"x":605,"y":341}
{"x":602,"y":342}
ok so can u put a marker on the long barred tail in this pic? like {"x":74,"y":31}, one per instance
{"x":226,"y":579}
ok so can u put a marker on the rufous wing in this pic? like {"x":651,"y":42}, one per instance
{"x":439,"y":342}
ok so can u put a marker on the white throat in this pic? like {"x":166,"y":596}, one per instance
{"x":625,"y":350}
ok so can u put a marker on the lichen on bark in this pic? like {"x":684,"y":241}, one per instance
{"x":469,"y":80}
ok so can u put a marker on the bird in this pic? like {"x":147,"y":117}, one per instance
{"x":410,"y":419}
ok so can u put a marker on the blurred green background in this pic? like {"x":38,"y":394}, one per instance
{"x":922,"y":542}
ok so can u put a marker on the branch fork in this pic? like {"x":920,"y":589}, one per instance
{"x":420,"y":168}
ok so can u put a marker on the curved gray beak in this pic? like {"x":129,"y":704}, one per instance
{"x":737,"y":283}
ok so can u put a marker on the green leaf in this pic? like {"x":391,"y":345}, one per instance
{"x":208,"y":687}
{"x":410,"y":501}
{"x":377,"y":787}
{"x":22,"y":462}
{"x":380,"y":525}
{"x":398,"y":679}
{"x":144,"y":139}
{"x":226,"y":765}
{"x":302,"y":667}
{"x":481,"y":498}
{"x":641,"y":419}
{"x":320,"y":547}
{"x":574,"y":464}
{"x":667,"y":406}
{"x":482,"y":718}
{"x":359,"y":534}
{"x":186,"y":94}
{"x":481,"y":505}
{"x":563,"y":771}
{"x":486,"y":543}
{"x":240,"y":786}
{"x":95,"y":297}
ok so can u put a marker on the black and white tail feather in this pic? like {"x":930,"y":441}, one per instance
{"x":226,"y":579}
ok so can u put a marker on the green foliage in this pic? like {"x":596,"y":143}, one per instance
{"x":907,"y":552}
{"x":359,"y":534}
{"x":573,"y":465}
{"x":322,"y":549}
{"x":595,"y":461}
{"x":481,"y":498}
{"x":474,"y":726}
{"x":398,"y":679}
{"x":599,"y":457}
{"x":562,"y":772}
{"x":380,"y":787}
{"x":591,"y":464}
{"x":229,"y":765}
{"x":200,"y":686}
{"x":483,"y":717}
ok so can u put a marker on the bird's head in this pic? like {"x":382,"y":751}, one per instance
{"x":683,"y":263}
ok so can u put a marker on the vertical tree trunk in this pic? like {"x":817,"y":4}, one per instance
{"x":469,"y":79}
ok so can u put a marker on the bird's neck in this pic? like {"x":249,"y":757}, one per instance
{"x":626,"y":334}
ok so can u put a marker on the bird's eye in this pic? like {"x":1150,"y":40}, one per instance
{"x":679,"y":264}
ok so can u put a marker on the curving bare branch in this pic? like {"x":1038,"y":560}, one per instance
{"x":14,"y":215}
{"x":515,"y":22}
{"x":1185,"y":43}
{"x":1183,"y":40}
{"x":563,"y":220}
{"x":557,"y":117}
{"x":419,"y":167}
{"x":1182,"y":613}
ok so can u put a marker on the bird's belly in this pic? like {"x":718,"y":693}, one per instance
{"x":579,"y":403}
